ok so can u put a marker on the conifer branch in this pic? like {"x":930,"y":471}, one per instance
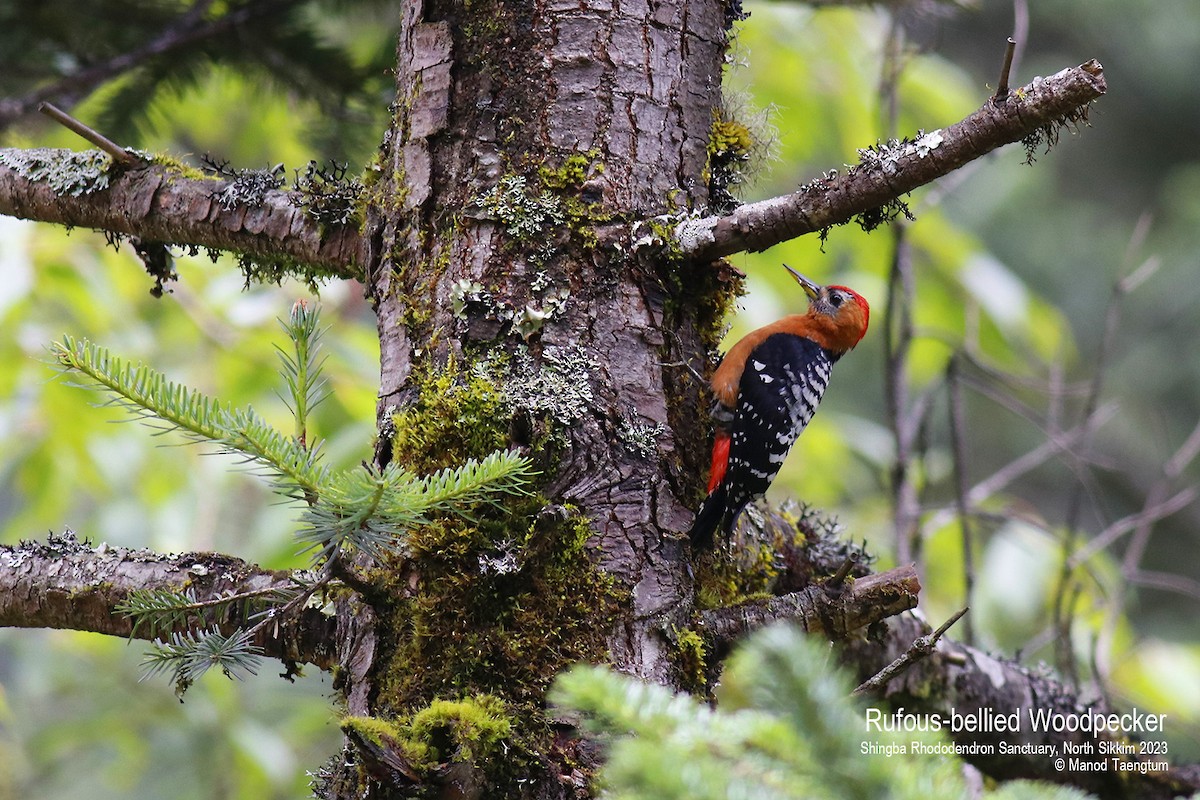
{"x":371,"y":511}
{"x":188,"y":655}
{"x":148,"y":394}
{"x":302,"y":367}
{"x":164,"y":608}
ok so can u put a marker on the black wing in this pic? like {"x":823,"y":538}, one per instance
{"x":781,"y":386}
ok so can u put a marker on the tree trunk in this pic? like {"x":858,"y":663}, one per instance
{"x":512,"y":119}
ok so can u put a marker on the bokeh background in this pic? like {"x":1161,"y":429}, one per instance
{"x":1013,"y":268}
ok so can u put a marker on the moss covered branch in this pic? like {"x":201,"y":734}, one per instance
{"x":66,"y":583}
{"x":173,"y":205}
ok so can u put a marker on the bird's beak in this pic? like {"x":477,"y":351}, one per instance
{"x":811,"y":289}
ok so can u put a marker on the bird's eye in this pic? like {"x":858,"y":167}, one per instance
{"x":835,"y":299}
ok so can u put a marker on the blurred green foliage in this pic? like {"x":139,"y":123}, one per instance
{"x":1017,"y":265}
{"x":784,"y":727}
{"x":1017,"y":261}
{"x":74,"y":719}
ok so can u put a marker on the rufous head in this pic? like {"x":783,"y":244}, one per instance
{"x":841,"y":313}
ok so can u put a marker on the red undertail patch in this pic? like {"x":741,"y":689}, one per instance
{"x":720,"y":460}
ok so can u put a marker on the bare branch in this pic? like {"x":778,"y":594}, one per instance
{"x":119,"y":154}
{"x":1156,"y":509}
{"x":157,"y":203}
{"x":68,"y":584}
{"x":888,"y":173}
{"x":1054,"y":445}
{"x":922,"y":647}
{"x":958,"y":448}
{"x":1005,"y":70}
{"x":831,"y":613}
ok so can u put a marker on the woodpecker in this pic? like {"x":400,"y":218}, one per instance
{"x":767,"y":388}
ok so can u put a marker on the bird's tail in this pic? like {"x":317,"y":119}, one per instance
{"x":709,"y":517}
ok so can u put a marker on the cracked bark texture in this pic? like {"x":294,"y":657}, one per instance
{"x":155,"y":203}
{"x":66,"y":583}
{"x":514,"y":88}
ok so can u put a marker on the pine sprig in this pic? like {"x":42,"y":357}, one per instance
{"x":149,"y":395}
{"x":302,"y":365}
{"x":503,"y":473}
{"x":371,"y":511}
{"x":361,"y":509}
{"x":161,"y":610}
{"x":187,"y":656}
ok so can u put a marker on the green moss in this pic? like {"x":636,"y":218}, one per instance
{"x":176,"y":166}
{"x":691,"y":658}
{"x":502,"y":604}
{"x":393,"y":736}
{"x":463,"y":730}
{"x":573,"y":172}
{"x":274,"y":269}
{"x":469,"y":730}
{"x":725,"y":577}
{"x":729,"y":147}
{"x":728,"y":138}
{"x":457,"y":416}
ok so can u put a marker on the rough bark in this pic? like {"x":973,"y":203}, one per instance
{"x":633,"y":88}
{"x":159,"y":203}
{"x":823,"y":609}
{"x":1033,"y":114}
{"x":70,"y":584}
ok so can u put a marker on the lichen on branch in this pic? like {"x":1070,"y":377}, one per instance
{"x":871,"y":189}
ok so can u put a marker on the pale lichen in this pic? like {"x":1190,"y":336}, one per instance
{"x":531,"y":318}
{"x":558,"y":387}
{"x":523,"y":213}
{"x":249,"y":187}
{"x":66,"y":172}
{"x":640,"y":437}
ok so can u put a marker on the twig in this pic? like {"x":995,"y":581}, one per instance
{"x":1002,"y":87}
{"x":119,"y":154}
{"x":839,"y":577}
{"x":898,"y":335}
{"x":1112,"y":319}
{"x":1023,"y":464}
{"x":959,"y":454}
{"x":1156,"y":508}
{"x":921,"y":648}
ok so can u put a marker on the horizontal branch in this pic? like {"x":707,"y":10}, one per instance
{"x":67,"y":584}
{"x":160,"y":204}
{"x":819,"y":609}
{"x":961,"y":679}
{"x":1033,"y":114}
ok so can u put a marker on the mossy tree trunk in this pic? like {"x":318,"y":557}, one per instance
{"x":512,"y":313}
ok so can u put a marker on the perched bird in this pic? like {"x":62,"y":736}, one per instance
{"x":767,"y":388}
